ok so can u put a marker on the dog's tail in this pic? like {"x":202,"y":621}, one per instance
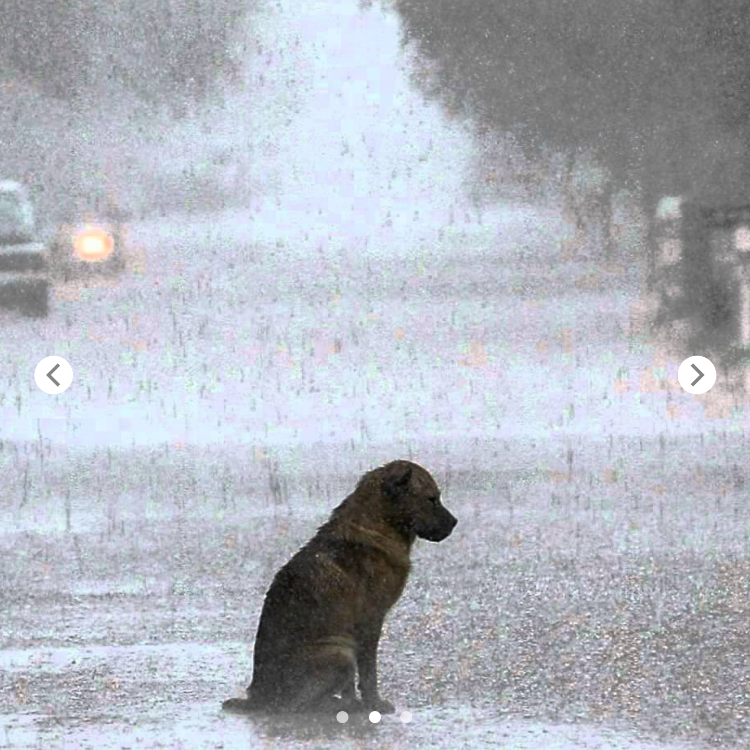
{"x":244,"y":705}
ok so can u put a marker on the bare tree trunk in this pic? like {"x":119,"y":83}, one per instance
{"x":648,"y":202}
{"x":589,"y":203}
{"x":571,"y":198}
{"x":607,"y":217}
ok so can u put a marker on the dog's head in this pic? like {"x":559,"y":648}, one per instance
{"x":414,"y":503}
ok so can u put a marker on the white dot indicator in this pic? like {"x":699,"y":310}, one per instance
{"x":406,"y":717}
{"x":342,"y":717}
{"x":374,"y":716}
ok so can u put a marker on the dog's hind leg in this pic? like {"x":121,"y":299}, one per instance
{"x":349,"y":700}
{"x":319,"y":685}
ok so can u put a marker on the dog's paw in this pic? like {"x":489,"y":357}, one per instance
{"x":353,"y":705}
{"x":381,"y":705}
{"x":335,"y":704}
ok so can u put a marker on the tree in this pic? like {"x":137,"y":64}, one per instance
{"x":163,"y":51}
{"x":657,"y":91}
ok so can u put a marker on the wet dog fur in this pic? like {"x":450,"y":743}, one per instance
{"x":323,"y":614}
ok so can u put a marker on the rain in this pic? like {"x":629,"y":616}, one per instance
{"x":330,"y":260}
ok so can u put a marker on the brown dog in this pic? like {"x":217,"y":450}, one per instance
{"x":323,"y":614}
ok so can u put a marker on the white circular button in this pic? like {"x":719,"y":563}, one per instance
{"x":697,"y":375}
{"x":53,"y":375}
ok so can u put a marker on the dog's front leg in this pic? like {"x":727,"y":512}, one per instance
{"x":367,"y":664}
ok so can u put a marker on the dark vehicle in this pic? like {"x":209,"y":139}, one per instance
{"x":700,"y":275}
{"x":24,"y":261}
{"x":90,"y":241}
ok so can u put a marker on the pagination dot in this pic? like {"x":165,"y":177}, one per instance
{"x":374,"y":716}
{"x":406,"y":716}
{"x":342,"y":717}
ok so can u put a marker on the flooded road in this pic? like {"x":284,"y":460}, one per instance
{"x":348,"y":306}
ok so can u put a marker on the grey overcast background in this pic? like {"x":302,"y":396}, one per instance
{"x":361,"y":232}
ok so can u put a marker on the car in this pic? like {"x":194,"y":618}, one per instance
{"x":24,"y":259}
{"x":90,"y":240}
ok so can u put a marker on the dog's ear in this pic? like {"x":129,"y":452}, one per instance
{"x":396,"y":476}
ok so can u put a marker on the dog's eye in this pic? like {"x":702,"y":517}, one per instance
{"x":434,"y":499}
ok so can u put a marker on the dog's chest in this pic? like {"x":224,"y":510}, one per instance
{"x":370,"y":578}
{"x":384,"y":580}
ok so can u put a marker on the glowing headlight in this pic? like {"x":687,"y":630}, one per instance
{"x":93,"y":244}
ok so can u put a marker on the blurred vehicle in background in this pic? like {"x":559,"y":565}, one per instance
{"x":700,"y":276}
{"x":91,"y":239}
{"x":24,"y":258}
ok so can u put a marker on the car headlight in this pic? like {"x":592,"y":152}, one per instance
{"x":93,"y":244}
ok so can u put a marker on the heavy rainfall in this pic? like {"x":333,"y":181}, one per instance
{"x":347,"y":232}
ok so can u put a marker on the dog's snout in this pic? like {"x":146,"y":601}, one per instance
{"x":447,"y":524}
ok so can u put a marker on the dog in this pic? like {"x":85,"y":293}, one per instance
{"x":323,"y":614}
